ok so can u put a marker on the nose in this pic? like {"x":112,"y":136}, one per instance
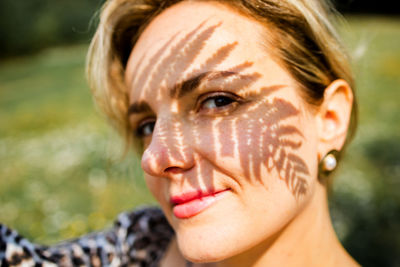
{"x":169,"y":152}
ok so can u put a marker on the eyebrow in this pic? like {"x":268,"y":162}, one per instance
{"x":182,"y":88}
{"x":138,"y":107}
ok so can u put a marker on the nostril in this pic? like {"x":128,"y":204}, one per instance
{"x":173,"y":170}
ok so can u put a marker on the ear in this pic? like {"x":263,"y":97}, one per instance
{"x":333,"y":117}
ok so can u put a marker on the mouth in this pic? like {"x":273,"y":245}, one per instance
{"x":191,"y":203}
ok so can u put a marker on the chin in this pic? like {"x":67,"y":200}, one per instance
{"x":205,"y":242}
{"x":213,"y":241}
{"x":228,"y":229}
{"x":204,"y":251}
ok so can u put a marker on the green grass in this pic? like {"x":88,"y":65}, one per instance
{"x":59,"y":162}
{"x":61,"y":167}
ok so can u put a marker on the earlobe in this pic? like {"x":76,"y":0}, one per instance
{"x":333,"y":116}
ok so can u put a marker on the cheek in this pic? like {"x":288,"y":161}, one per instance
{"x":267,"y":139}
{"x":156,"y":187}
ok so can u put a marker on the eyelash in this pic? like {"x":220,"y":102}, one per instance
{"x":230,"y":99}
{"x":140,"y":130}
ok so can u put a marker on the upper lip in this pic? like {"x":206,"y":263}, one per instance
{"x":192,"y":195}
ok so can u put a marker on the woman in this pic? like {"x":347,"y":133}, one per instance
{"x":239,"y":109}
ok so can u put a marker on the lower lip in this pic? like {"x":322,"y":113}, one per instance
{"x":195,"y":206}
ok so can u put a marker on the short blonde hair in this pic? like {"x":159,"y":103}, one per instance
{"x":304,"y":37}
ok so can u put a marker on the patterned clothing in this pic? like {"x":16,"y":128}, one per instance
{"x":138,"y":238}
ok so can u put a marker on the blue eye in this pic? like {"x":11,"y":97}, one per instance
{"x":146,"y":128}
{"x":217,"y":101}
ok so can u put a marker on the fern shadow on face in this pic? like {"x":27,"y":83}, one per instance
{"x":258,"y":132}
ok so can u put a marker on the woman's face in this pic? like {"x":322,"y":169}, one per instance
{"x":230,"y":149}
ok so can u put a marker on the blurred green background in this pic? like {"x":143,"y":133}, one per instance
{"x":61,"y":171}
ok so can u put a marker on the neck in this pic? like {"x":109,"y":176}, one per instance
{"x":308,"y":240}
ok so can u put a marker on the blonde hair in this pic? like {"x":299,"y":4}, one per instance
{"x":304,"y":37}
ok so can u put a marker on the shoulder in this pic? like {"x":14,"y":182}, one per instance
{"x":138,"y":238}
{"x":144,"y":235}
{"x":14,"y":249}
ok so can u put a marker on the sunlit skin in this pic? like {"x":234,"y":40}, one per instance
{"x":217,"y":113}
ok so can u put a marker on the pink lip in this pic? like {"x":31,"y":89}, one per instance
{"x":191,"y":203}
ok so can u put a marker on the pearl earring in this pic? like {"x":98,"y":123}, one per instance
{"x":328,"y":163}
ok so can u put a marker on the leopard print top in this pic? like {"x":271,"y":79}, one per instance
{"x":138,"y":238}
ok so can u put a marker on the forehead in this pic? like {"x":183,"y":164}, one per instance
{"x":187,"y":15}
{"x":214,"y":25}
